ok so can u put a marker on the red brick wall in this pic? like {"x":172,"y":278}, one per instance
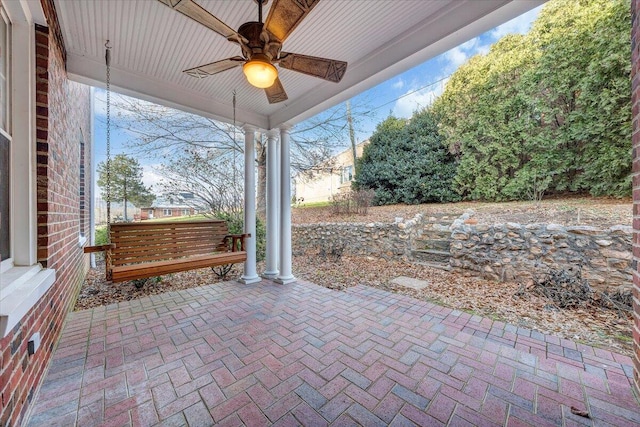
{"x":63,"y":119}
{"x":635,"y":96}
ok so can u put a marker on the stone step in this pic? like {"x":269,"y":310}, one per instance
{"x":437,"y":244}
{"x":437,"y":226}
{"x":438,"y":265}
{"x":431,"y":255}
{"x":436,"y":234}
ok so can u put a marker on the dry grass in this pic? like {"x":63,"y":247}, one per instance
{"x":599,"y":212}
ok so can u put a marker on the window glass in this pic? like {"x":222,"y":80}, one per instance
{"x":4,"y":198}
{"x":4,"y":71}
{"x":346,"y":174}
{"x":81,"y":188}
{"x":5,"y":143}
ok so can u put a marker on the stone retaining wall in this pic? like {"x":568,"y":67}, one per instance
{"x":508,"y":251}
{"x":514,"y":251}
{"x":386,"y":241}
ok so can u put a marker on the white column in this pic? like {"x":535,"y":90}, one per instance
{"x":285,"y":275}
{"x":250,"y":275}
{"x":271,"y":268}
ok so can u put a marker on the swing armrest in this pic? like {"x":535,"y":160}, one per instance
{"x":100,"y":248}
{"x":235,"y":239}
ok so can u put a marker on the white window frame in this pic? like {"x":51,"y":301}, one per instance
{"x":6,"y":132}
{"x":82,"y":174}
{"x":346,"y":174}
{"x":165,"y":210}
{"x":22,"y":279}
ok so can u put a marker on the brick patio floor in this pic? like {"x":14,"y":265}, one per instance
{"x":301,"y":354}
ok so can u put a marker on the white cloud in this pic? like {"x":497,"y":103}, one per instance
{"x":470,"y":44}
{"x":151,"y":178}
{"x":399,"y":84}
{"x":456,"y":57}
{"x":461,"y":54}
{"x":519,"y":25}
{"x":415,"y":101}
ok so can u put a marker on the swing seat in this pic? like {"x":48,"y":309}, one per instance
{"x":148,"y":249}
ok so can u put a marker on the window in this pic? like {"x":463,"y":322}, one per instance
{"x":166,"y":212}
{"x":81,"y":192}
{"x":5,"y":139}
{"x":5,"y":65}
{"x":22,"y":279}
{"x":185,"y":212}
{"x":346,"y":174}
{"x":5,"y":243}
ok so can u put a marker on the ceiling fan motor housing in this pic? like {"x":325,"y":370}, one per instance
{"x":255,"y":34}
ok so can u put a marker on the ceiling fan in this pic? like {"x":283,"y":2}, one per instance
{"x":261,"y":45}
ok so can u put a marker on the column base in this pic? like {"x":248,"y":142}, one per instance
{"x":249,"y":280}
{"x":270,"y":274}
{"x":285,"y":280}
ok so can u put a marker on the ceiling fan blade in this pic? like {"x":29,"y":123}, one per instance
{"x":285,"y":15}
{"x":276,"y":92}
{"x":215,"y":67}
{"x":199,"y":14}
{"x":327,"y":69}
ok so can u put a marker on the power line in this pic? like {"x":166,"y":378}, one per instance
{"x":410,"y":93}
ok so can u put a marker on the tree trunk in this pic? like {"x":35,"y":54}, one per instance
{"x":125,"y":198}
{"x":261,"y":156}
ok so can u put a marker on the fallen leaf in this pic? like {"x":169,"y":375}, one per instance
{"x":580,"y":413}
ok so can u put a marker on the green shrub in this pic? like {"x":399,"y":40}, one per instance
{"x":235,"y":221}
{"x":101,"y":235}
{"x":406,"y":162}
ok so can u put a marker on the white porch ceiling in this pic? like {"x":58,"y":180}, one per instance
{"x":152,"y":44}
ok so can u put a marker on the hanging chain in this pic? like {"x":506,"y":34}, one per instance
{"x":107,"y":57}
{"x":235,"y":153}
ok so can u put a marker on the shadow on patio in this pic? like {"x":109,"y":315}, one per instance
{"x":301,"y":354}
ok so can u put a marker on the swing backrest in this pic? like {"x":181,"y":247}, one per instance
{"x":146,"y":242}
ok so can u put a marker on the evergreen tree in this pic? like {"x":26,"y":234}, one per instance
{"x":125,"y":182}
{"x":406,"y":162}
{"x":547,"y":111}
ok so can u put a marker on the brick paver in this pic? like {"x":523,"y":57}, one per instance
{"x":301,"y":354}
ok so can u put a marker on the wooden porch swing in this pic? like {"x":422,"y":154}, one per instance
{"x":142,"y":250}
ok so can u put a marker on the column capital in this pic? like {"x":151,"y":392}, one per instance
{"x":285,"y":127}
{"x":272,"y":133}
{"x":249,"y":128}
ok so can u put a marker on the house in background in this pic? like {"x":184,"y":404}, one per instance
{"x":162,"y":210}
{"x":171,"y":205}
{"x":329,"y":178}
{"x":45,"y":197}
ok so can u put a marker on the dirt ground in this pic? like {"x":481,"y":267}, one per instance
{"x":598,"y":212}
{"x":595,"y":326}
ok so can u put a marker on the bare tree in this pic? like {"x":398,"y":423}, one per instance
{"x":160,"y":132}
{"x":209,"y":176}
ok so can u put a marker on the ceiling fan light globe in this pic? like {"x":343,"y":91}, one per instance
{"x":260,"y":74}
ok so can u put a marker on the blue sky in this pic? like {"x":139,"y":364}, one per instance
{"x":401,"y":96}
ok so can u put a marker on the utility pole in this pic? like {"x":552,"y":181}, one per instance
{"x":352,"y":135}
